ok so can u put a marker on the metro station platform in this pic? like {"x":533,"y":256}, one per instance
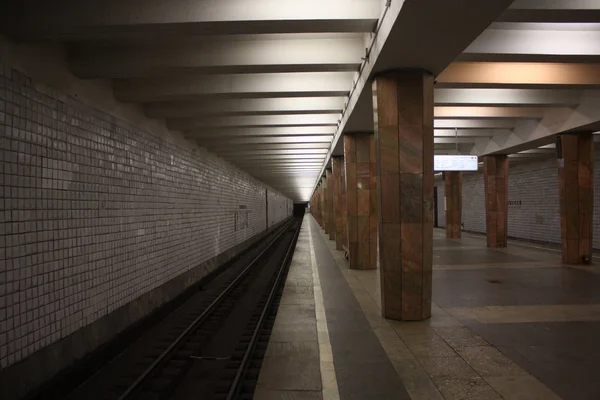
{"x":509,"y":323}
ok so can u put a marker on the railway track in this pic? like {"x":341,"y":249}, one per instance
{"x":212,"y":346}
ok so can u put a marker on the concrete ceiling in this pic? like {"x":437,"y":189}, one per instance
{"x":273,"y":87}
{"x":533,"y":73}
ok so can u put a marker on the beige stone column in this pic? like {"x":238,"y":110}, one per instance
{"x":403,"y":102}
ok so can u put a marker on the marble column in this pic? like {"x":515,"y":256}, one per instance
{"x":339,"y":203}
{"x":314,"y":204}
{"x":330,"y":200}
{"x":320,"y":205}
{"x":495,"y":175}
{"x":323,"y":202}
{"x":453,"y":192}
{"x":361,"y":200}
{"x":403,"y":113}
{"x":576,"y":192}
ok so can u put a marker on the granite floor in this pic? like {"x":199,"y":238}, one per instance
{"x":508,"y":323}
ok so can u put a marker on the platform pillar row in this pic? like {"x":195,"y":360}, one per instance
{"x":314,"y":204}
{"x":576,"y":192}
{"x":403,"y":102}
{"x":330,"y":200}
{"x":320,"y":204}
{"x":453,"y":192}
{"x":361,"y":200}
{"x":313,"y":200}
{"x":323,"y":203}
{"x":495,"y":175}
{"x":339,"y":201}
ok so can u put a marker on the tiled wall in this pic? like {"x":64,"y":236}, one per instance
{"x":280,"y":207}
{"x":535,"y":185}
{"x":538,"y":216}
{"x":473,"y":212}
{"x":94,"y":213}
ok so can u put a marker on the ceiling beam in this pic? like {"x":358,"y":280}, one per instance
{"x":449,"y":140}
{"x":268,"y":146}
{"x":268,"y":163}
{"x":211,"y":133}
{"x":506,"y":97}
{"x":262,"y":165}
{"x":194,"y":86}
{"x":188,"y":124}
{"x":552,"y":11}
{"x":295,"y":181}
{"x":480,"y":123}
{"x":453,"y":112}
{"x":293,"y":157}
{"x":278,"y":164}
{"x":530,"y":156}
{"x":519,"y":75}
{"x":298,"y":175}
{"x":286,"y":170}
{"x":230,"y":107}
{"x":275,"y":152}
{"x":536,"y":42}
{"x":293,"y":185}
{"x":548,"y":150}
{"x":76,"y":20}
{"x":469,"y":132}
{"x":223,"y":55}
{"x":531,"y":134}
{"x":315,"y":140}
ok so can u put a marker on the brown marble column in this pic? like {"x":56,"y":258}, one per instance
{"x":495,"y":175}
{"x":339,"y":203}
{"x":403,"y":102}
{"x":576,"y":191}
{"x":320,"y":205}
{"x":344,"y":210}
{"x":453,"y":192}
{"x":330,"y":200}
{"x":314,"y":204}
{"x":323,"y":202}
{"x":361,"y":200}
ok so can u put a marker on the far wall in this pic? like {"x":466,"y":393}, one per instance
{"x":534,"y":214}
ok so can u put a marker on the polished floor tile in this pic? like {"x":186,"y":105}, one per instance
{"x":539,"y":320}
{"x":266,"y":394}
{"x":290,"y":373}
{"x":466,"y":389}
{"x":508,"y":323}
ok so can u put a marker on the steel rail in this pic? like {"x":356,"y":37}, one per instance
{"x":235,"y":387}
{"x":205,"y":314}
